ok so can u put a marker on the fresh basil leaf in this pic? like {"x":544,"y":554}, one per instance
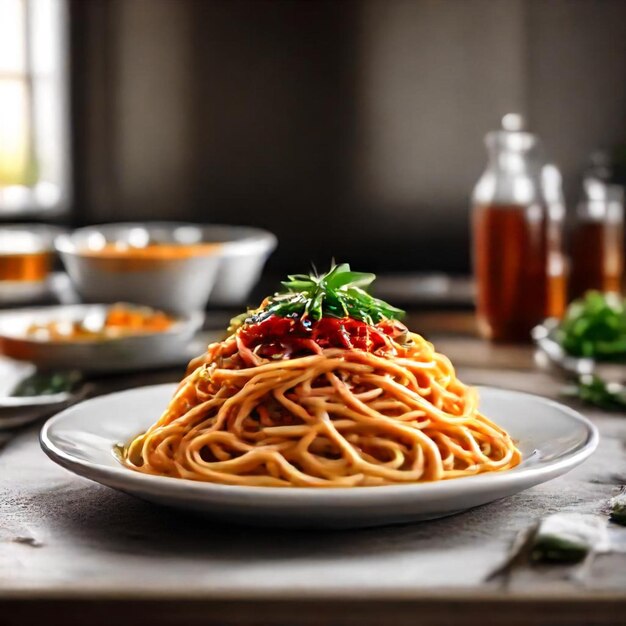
{"x":338,"y":293}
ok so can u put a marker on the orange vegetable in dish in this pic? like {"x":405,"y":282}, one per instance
{"x":120,"y":321}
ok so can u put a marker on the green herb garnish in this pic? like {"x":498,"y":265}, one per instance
{"x":338,"y":293}
{"x":46,"y":383}
{"x":595,"y":327}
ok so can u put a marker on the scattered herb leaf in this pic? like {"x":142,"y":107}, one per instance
{"x":567,"y":538}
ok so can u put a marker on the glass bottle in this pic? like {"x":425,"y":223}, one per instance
{"x":597,"y":248}
{"x":517,"y":219}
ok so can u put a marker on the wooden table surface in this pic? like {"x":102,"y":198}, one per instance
{"x":74,"y":552}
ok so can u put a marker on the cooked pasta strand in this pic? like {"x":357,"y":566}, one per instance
{"x":335,"y":418}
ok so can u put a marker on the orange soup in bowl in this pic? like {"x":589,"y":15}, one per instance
{"x":122,"y":257}
{"x":24,"y":256}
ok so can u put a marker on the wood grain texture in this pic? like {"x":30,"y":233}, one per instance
{"x":82,"y":552}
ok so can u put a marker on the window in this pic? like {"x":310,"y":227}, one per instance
{"x":34,"y":150}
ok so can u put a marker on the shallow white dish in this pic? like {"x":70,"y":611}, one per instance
{"x":16,"y":411}
{"x":145,"y":351}
{"x":552,"y":354}
{"x":552,"y":437}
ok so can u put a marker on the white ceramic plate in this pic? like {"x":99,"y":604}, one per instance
{"x":136,"y":352}
{"x":552,"y":437}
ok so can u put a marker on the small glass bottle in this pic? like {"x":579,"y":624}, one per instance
{"x":597,"y":250}
{"x":517,"y":224}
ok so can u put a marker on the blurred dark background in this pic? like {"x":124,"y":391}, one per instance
{"x":351,"y":129}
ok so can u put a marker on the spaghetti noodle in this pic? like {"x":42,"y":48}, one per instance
{"x":332,"y":402}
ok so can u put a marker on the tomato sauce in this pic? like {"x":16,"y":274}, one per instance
{"x":279,"y":334}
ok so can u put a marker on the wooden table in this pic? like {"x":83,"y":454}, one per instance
{"x":73,"y":552}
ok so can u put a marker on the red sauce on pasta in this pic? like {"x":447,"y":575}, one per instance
{"x":275,"y":334}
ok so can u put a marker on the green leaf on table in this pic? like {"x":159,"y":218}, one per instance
{"x":567,"y":538}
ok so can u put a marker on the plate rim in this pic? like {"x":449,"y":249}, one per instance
{"x":160,"y":485}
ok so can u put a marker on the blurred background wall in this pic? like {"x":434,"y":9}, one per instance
{"x":349,"y":128}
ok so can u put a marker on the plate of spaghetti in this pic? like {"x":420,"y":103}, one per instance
{"x":320,"y":408}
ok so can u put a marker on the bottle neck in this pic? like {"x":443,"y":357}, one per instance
{"x":511,"y":177}
{"x":509,"y":161}
{"x":514,"y":153}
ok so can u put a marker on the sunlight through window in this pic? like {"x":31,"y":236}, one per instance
{"x":34,"y":164}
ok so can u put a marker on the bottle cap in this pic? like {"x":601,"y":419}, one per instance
{"x":512,"y":135}
{"x":513,"y":122}
{"x":597,"y":190}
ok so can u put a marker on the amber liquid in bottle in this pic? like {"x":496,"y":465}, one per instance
{"x":512,"y":256}
{"x":597,"y":258}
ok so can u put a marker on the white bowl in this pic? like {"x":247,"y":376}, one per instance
{"x":25,"y":240}
{"x":224,"y":276}
{"x":242,"y":258}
